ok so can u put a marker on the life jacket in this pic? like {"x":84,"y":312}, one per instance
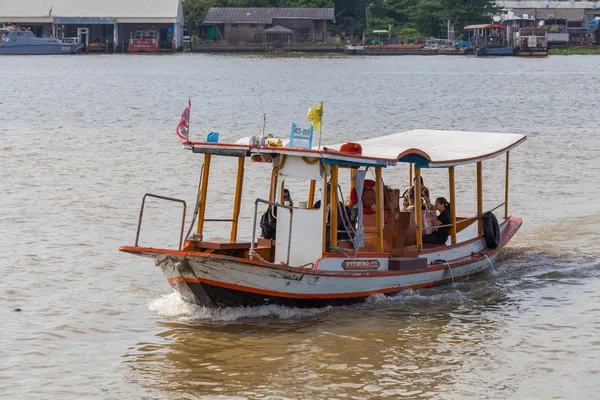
{"x":368,"y":197}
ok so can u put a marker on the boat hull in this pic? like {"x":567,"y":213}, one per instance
{"x":390,"y":50}
{"x":238,"y":284}
{"x":142,"y":49}
{"x":218,"y":280}
{"x":495,"y":52}
{"x":41,"y":49}
{"x":532,"y":52}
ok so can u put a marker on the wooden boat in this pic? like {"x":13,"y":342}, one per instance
{"x":313,"y":262}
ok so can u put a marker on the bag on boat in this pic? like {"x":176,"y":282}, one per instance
{"x":428,"y":221}
{"x":268,"y":223}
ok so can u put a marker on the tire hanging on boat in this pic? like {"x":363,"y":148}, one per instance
{"x":491,"y":230}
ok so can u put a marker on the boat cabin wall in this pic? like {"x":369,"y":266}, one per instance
{"x":299,"y":167}
{"x":307,"y":236}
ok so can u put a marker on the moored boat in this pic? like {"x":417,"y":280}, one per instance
{"x":311,"y":254}
{"x":144,"y":41}
{"x":532,"y":42}
{"x":489,"y":40}
{"x":25,"y":42}
{"x":390,"y":50}
{"x":388,"y":47}
{"x":97,"y":47}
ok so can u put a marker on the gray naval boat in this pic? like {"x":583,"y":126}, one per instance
{"x":25,"y":42}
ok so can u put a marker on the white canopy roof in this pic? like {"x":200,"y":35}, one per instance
{"x":439,"y":148}
{"x":425,"y":148}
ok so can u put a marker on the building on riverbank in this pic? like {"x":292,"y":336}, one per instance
{"x":567,"y":18}
{"x":111,"y":23}
{"x":268,"y":25}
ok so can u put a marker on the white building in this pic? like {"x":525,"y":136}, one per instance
{"x":111,"y":22}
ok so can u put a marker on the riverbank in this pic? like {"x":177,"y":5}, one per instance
{"x":222,"y":47}
{"x":570,"y":51}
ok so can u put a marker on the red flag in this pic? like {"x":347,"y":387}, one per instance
{"x":183,"y":127}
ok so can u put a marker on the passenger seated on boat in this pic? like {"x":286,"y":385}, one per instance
{"x":405,"y":203}
{"x":287,"y":198}
{"x":440,"y":235}
{"x":424,"y":192}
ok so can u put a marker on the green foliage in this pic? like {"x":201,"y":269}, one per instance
{"x":569,"y":51}
{"x":427,"y":17}
{"x":408,"y":33}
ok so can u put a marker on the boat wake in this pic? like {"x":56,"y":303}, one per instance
{"x":171,"y":306}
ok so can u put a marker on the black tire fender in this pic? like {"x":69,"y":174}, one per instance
{"x":491,"y":230}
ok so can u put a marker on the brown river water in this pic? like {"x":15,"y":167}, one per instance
{"x":83,"y":138}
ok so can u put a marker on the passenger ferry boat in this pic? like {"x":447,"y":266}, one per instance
{"x":144,"y":41}
{"x":321,"y":256}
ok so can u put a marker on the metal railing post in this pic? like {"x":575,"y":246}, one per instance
{"x":137,"y":234}
{"x":254,"y":230}
{"x":271,"y":203}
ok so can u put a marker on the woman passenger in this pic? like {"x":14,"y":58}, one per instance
{"x":440,"y":235}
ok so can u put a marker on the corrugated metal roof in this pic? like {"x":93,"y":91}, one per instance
{"x":278,"y":29}
{"x":257,"y":15}
{"x":89,"y":8}
{"x":546,"y":4}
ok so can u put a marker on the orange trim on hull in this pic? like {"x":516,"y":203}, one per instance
{"x":273,"y":293}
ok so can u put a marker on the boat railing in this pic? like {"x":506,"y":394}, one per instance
{"x":137,"y":235}
{"x":70,"y":40}
{"x":475,"y":217}
{"x":252,"y":243}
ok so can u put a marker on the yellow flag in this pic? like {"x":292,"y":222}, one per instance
{"x":315,"y":115}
